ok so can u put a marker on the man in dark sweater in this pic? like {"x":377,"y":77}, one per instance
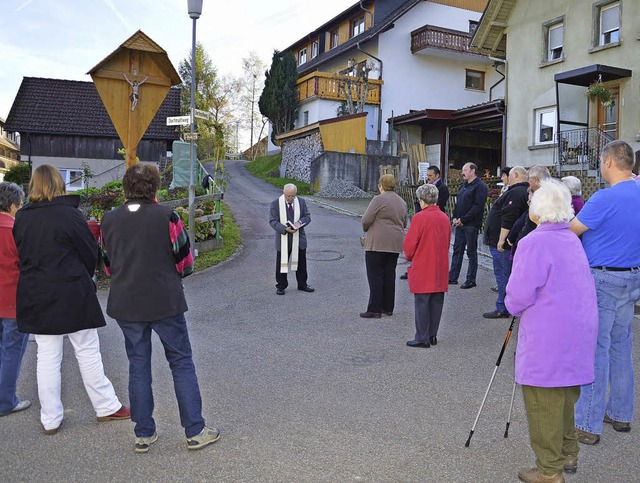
{"x":147,"y":252}
{"x":467,"y":220}
{"x":504,"y":213}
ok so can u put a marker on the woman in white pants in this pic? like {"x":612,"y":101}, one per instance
{"x":56,"y":295}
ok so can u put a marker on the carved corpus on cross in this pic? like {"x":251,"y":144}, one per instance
{"x":119,"y":80}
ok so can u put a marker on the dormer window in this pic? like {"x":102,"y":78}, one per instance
{"x":357,"y":26}
{"x":302,"y":56}
{"x":314,"y":50}
{"x":333,"y":39}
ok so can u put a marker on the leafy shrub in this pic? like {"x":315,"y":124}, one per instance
{"x":18,"y":174}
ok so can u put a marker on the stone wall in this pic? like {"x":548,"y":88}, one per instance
{"x":297,"y":155}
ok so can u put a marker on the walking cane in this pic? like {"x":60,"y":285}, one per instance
{"x":513,"y":396}
{"x":504,"y":346}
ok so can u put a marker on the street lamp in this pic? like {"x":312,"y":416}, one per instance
{"x":195,"y":9}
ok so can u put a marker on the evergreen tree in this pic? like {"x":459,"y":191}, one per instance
{"x":279,"y":99}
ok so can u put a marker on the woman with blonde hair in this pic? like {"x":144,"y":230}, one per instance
{"x":56,"y":296}
{"x":384,"y":223}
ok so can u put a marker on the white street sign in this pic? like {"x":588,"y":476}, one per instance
{"x":201,"y":114}
{"x":179,"y":121}
{"x":190,"y":136}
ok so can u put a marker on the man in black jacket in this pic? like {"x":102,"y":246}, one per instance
{"x":504,"y":213}
{"x":467,"y":220}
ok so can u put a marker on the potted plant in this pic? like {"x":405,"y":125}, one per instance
{"x":600,"y":92}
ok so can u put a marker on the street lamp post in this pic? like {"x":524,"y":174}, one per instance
{"x":195,"y":9}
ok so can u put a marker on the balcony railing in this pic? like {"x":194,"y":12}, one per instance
{"x":581,"y":149}
{"x":439,"y":38}
{"x":324,"y":85}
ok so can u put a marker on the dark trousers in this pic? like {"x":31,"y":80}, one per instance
{"x":465,"y":236}
{"x":177,"y":349}
{"x":502,"y":269}
{"x":428,"y":308}
{"x":301,"y":273}
{"x":381,"y":274}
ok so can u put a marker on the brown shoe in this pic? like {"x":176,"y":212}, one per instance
{"x":587,"y":438}
{"x":571,"y":463}
{"x":619,"y":426}
{"x":533,"y":475}
{"x":122,"y":413}
{"x":52,"y":431}
{"x":370,"y":315}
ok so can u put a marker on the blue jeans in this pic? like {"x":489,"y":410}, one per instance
{"x":501,"y":269}
{"x":12,"y":347}
{"x":177,"y":349}
{"x":617,"y":294}
{"x":465,"y":236}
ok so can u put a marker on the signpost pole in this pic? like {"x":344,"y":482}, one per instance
{"x":192,"y":188}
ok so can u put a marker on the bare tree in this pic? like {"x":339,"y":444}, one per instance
{"x":252,"y":83}
{"x":353,"y":84}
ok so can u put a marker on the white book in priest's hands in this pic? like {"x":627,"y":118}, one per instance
{"x":295,"y":226}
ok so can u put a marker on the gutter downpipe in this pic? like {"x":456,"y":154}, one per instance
{"x":504,"y":115}
{"x":380,"y":73}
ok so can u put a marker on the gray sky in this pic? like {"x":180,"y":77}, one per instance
{"x":63,"y":39}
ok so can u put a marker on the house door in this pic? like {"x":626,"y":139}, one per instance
{"x":608,"y":115}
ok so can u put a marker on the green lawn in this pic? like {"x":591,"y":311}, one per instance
{"x":231,"y":241}
{"x":268,"y":169}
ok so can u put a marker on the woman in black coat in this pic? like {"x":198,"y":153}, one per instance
{"x":56,"y":295}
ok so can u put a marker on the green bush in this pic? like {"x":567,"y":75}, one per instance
{"x":18,"y":174}
{"x":268,"y":169}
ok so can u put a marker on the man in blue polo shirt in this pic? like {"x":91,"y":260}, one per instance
{"x":610,"y":227}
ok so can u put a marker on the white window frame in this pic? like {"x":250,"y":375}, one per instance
{"x":314,"y":49}
{"x":357,"y":26}
{"x":71,"y":174}
{"x":602,"y":36}
{"x":553,"y":49}
{"x":302,"y":56}
{"x":538,"y":113}
{"x":334,"y":39}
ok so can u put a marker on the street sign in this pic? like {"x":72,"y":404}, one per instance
{"x":190,"y":136}
{"x":201,"y":114}
{"x":179,"y":121}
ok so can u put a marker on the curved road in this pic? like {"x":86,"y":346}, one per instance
{"x":301,"y":387}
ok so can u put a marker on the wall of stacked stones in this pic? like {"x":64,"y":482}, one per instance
{"x":297,"y":155}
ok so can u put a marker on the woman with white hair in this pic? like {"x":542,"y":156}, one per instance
{"x":575,"y":188}
{"x":426,"y":246}
{"x":553,"y":293}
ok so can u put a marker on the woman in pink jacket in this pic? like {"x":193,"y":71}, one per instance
{"x":426,"y":246}
{"x":553,"y":292}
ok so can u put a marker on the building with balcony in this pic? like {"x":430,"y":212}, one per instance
{"x":416,"y":58}
{"x":9,"y":149}
{"x":556,"y":54}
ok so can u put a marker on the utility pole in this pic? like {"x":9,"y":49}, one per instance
{"x":253,"y":101}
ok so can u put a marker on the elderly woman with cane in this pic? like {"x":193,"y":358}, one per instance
{"x":427,"y":247}
{"x":551,"y":290}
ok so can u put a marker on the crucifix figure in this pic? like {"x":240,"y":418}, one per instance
{"x":135,"y":85}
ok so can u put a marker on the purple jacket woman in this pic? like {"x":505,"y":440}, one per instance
{"x":551,"y":288}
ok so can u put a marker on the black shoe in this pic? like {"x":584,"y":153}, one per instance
{"x":494,"y":289}
{"x":415,"y":343}
{"x":306,"y":288}
{"x":280,"y":291}
{"x":468,"y":284}
{"x":453,"y":282}
{"x":370,"y":315}
{"x":405,"y":276}
{"x":433,"y":340}
{"x":496,"y":315}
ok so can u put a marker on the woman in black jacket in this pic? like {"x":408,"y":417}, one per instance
{"x":56,"y":295}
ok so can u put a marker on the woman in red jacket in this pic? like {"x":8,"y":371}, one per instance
{"x":12,"y":342}
{"x":426,"y":246}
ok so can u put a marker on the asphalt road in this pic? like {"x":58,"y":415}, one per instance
{"x":303,"y":389}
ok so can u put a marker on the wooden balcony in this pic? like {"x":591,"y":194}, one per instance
{"x":325,"y":85}
{"x":430,"y":37}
